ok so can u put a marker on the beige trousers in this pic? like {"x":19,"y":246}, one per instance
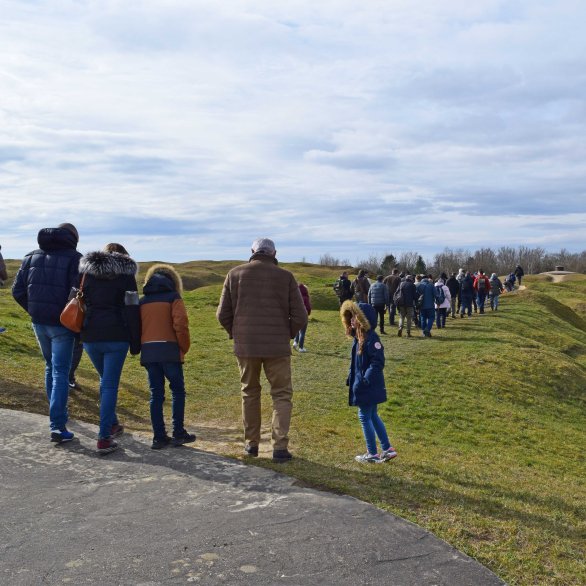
{"x":278,"y":373}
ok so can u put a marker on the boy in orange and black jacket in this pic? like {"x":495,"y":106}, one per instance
{"x":165,"y":341}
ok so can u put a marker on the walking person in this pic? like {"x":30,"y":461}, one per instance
{"x":442,"y":305}
{"x":466,"y":294}
{"x":360,"y":286}
{"x":343,"y":288}
{"x":519,"y":273}
{"x":392,"y":282}
{"x":404,"y":299}
{"x":366,"y":383}
{"x":261,"y":309}
{"x":454,"y":286}
{"x":299,"y":341}
{"x":481,"y":286}
{"x":164,"y":342}
{"x":111,"y":328}
{"x":75,"y":360}
{"x":426,"y":296}
{"x":42,"y":286}
{"x":378,"y":297}
{"x":496,"y":288}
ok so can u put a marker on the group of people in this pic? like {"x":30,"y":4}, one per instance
{"x":423,"y":300}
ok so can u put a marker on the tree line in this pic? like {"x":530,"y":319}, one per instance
{"x":500,"y":261}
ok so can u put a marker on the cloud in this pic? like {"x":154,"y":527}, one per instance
{"x":332,"y":127}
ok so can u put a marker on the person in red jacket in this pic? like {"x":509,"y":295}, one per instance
{"x":482,"y":287}
{"x":299,"y":341}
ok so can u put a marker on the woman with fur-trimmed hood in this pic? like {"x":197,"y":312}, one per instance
{"x":111,"y":327}
{"x":366,"y":383}
{"x":165,"y":341}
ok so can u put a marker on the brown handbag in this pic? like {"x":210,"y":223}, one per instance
{"x":73,"y":313}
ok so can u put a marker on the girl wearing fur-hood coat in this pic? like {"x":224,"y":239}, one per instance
{"x":366,"y":383}
{"x":111,"y":327}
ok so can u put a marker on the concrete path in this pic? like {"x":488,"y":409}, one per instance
{"x":181,"y":516}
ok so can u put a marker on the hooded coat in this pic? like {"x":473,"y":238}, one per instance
{"x":46,"y":276}
{"x":164,"y":321}
{"x":111,"y":297}
{"x":261,"y":308}
{"x":366,"y":382}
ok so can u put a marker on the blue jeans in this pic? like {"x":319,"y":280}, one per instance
{"x":373,"y":427}
{"x":300,"y":337}
{"x":157,"y":372}
{"x":427,"y":319}
{"x":480,"y":300}
{"x":494,"y":301}
{"x":466,"y":305}
{"x":56,"y":343}
{"x":441,"y":317}
{"x":108,"y":359}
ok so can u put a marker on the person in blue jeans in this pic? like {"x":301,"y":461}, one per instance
{"x":427,"y":305}
{"x":366,"y":383}
{"x":111,"y":328}
{"x":42,"y":286}
{"x":165,"y":341}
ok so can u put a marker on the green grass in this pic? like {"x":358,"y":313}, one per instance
{"x":487,"y":416}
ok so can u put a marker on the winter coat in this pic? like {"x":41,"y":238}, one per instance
{"x":261,"y":308}
{"x":454,"y":286}
{"x":467,"y":288}
{"x":447,"y":302}
{"x":345,"y":290}
{"x":366,"y":382}
{"x":405,"y":294}
{"x":425,"y":290}
{"x":111,"y":297}
{"x":305,"y":296}
{"x":392,"y":282}
{"x":360,"y":287}
{"x":519,"y":272}
{"x":496,"y":286}
{"x":478,"y":279}
{"x":46,"y":276}
{"x":163,"y":318}
{"x":378,"y":294}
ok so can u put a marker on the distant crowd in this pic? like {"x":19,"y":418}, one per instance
{"x":423,"y":300}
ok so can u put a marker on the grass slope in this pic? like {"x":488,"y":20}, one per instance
{"x":487,"y":416}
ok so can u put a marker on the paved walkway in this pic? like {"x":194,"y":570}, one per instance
{"x":181,"y":516}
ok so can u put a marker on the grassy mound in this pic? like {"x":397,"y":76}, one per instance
{"x":487,"y":416}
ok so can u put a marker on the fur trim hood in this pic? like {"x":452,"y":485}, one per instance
{"x":350,"y":308}
{"x":107,"y":265}
{"x":167,"y":271}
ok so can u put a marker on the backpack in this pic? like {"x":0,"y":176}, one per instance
{"x":481,"y":284}
{"x":398,"y":296}
{"x":439,"y":295}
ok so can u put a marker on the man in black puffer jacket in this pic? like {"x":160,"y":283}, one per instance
{"x":42,"y":287}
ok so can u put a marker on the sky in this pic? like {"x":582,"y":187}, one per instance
{"x":185,"y":129}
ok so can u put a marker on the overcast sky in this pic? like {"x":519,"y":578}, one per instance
{"x":185,"y":129}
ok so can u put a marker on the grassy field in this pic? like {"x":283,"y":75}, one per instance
{"x":487,"y":416}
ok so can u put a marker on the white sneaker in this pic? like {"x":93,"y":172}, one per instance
{"x":302,"y":350}
{"x":368,"y":458}
{"x":388,"y":454}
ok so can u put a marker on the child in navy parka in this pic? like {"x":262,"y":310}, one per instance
{"x":366,"y":383}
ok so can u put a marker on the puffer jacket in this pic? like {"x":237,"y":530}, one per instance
{"x":111,"y":296}
{"x":261,"y":308}
{"x":378,"y":294}
{"x":164,"y":322}
{"x":366,"y":382}
{"x":46,"y":276}
{"x":425,"y":290}
{"x":305,"y":296}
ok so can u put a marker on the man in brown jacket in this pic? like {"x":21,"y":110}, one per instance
{"x":262,"y":310}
